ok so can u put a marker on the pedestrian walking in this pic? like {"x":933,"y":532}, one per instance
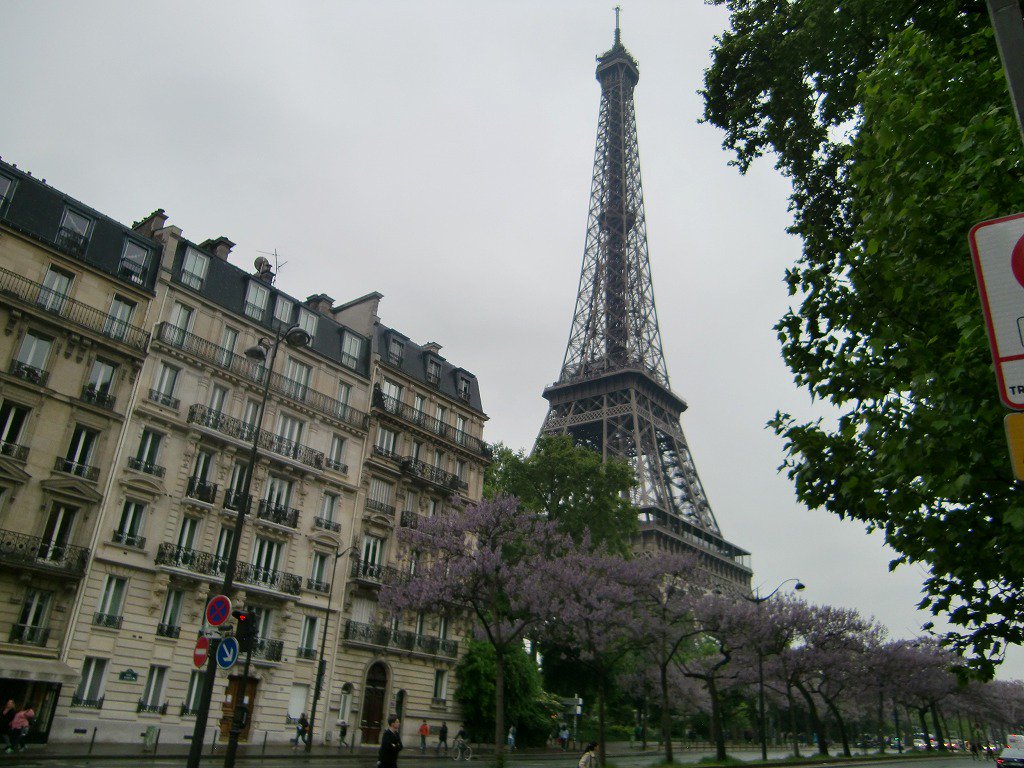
{"x":563,"y":737}
{"x":342,"y":732}
{"x":511,"y":738}
{"x":301,"y":731}
{"x":424,"y":732}
{"x":589,"y":758}
{"x":5,"y":722}
{"x":390,"y":744}
{"x":19,"y":728}
{"x":442,"y":737}
{"x":974,"y":749}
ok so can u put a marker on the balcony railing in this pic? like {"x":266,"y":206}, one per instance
{"x":200,"y":490}
{"x":71,"y":242}
{"x":408,"y":519}
{"x":327,"y":525}
{"x":168,"y":630}
{"x":336,"y":465}
{"x":75,"y":468}
{"x":278,"y":513}
{"x":375,"y":572}
{"x":268,"y":650}
{"x":247,"y":369}
{"x":226,"y":425}
{"x":432,"y":474}
{"x":385,"y":637}
{"x":29,"y":635}
{"x":187,"y":711}
{"x":14,"y":451}
{"x":140,"y":465}
{"x":42,"y":554}
{"x":235,"y":501}
{"x":379,"y":506}
{"x":162,"y":398}
{"x":207,"y":564}
{"x":97,"y":397}
{"x":109,"y":620}
{"x":318,"y":586}
{"x":429,"y":423}
{"x":128,"y":539}
{"x":74,"y":312}
{"x":80,"y":701}
{"x":157,"y":709}
{"x":29,"y":373}
{"x":305,"y":652}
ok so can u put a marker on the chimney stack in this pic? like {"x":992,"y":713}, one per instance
{"x":320,"y":303}
{"x":149,"y":225}
{"x":219,"y":247}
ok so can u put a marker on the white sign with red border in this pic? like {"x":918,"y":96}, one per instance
{"x":998,"y":250}
{"x":202,"y":651}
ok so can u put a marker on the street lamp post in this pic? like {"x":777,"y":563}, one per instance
{"x":322,"y":667}
{"x":758,"y":600}
{"x":265,"y":350}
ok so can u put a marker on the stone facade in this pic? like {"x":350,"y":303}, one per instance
{"x":129,"y":410}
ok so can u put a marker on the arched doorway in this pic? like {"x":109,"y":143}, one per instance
{"x":374,"y":693}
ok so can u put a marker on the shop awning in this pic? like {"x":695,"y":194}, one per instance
{"x":32,"y":668}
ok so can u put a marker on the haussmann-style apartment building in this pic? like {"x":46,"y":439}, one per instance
{"x":128,"y":412}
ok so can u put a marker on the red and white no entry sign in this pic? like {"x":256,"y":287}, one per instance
{"x":201,"y":652}
{"x":998,"y":250}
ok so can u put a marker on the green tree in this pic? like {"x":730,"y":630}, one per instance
{"x":892,"y":119}
{"x":572,"y":485}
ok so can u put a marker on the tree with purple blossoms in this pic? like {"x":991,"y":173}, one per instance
{"x":495,"y":563}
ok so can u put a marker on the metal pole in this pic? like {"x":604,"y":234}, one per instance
{"x":322,"y":666}
{"x":195,"y":752}
{"x":1009,"y":28}
{"x":239,"y":716}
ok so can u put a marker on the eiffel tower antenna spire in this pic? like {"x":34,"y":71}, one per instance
{"x":612,"y":394}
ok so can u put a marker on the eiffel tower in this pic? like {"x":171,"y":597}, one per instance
{"x":613,"y":392}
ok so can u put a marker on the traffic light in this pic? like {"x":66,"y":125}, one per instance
{"x":245,"y":630}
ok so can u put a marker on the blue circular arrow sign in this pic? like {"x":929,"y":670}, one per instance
{"x":227,"y":653}
{"x":218,"y":610}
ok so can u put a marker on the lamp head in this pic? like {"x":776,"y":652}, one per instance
{"x":298,"y":337}
{"x":799,"y":586}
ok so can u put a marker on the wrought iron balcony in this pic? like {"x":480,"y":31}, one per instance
{"x":433,"y":475}
{"x":71,"y":242}
{"x":278,"y":513}
{"x":130,"y":540}
{"x":387,"y":453}
{"x":162,"y":398}
{"x":27,"y":634}
{"x":408,"y":519}
{"x":75,"y":468}
{"x":109,"y":620}
{"x":235,"y":428}
{"x":327,"y":525}
{"x":140,"y":465}
{"x":375,"y":573}
{"x":318,"y":586}
{"x":73,"y":312}
{"x":187,"y":711}
{"x":200,"y":490}
{"x":168,"y":630}
{"x":379,"y":506}
{"x":42,"y":555}
{"x":385,"y":637}
{"x":235,"y":501}
{"x":268,"y":650}
{"x":102,"y":398}
{"x":208,"y":564}
{"x":28,"y":373}
{"x":80,"y":701}
{"x":157,"y":709}
{"x":336,"y":465}
{"x":305,"y":653}
{"x":206,"y":351}
{"x":429,"y":423}
{"x":14,"y":451}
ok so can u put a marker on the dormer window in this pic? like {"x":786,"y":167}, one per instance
{"x":433,"y":372}
{"x":464,"y":388}
{"x":6,"y":189}
{"x":351,"y":350}
{"x":256,"y":299}
{"x":193,"y":268}
{"x":307,"y":321}
{"x":73,"y":235}
{"x":395,"y":350}
{"x":283,"y":310}
{"x":134,"y":259}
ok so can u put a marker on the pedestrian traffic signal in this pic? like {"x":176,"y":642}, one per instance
{"x":245,"y":630}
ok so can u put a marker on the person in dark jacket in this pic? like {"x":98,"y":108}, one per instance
{"x":5,"y":722}
{"x":390,"y":744}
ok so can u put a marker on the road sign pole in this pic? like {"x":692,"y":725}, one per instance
{"x":239,"y":716}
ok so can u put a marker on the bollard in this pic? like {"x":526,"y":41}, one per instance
{"x":156,"y":744}
{"x":264,"y":750}
{"x":93,"y":739}
{"x":213,"y":742}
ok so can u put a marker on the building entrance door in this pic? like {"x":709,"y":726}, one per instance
{"x":240,"y":690}
{"x":374,"y":693}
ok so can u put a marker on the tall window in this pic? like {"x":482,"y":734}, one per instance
{"x":307,"y":641}
{"x":328,"y":507}
{"x":442,"y":627}
{"x":279,"y":492}
{"x":218,"y":397}
{"x":149,"y":451}
{"x":411,"y":501}
{"x":433,"y":371}
{"x":193,"y":268}
{"x":90,"y":685}
{"x":265,"y":556}
{"x":391,"y":389}
{"x":344,"y":392}
{"x":336,"y":456}
{"x":119,"y":317}
{"x":351,"y":350}
{"x":460,"y":469}
{"x":154,"y":690}
{"x":381,"y":493}
{"x":12,"y":421}
{"x":228,"y":340}
{"x":35,"y":611}
{"x":202,"y":467}
{"x":460,"y":424}
{"x":421,"y":622}
{"x":307,"y":321}
{"x":256,"y":299}
{"x":283,"y":310}
{"x":53,"y":296}
{"x":194,"y":692}
{"x":290,"y":428}
{"x":318,"y":571}
{"x":441,"y":413}
{"x":101,"y":376}
{"x":373,"y":554}
{"x":298,"y":375}
{"x":166,"y":381}
{"x":386,"y":441}
{"x":264,"y":621}
{"x":250,"y":415}
{"x":224,"y":539}
{"x":238,"y":472}
{"x":108,"y":612}
{"x":440,"y":684}
{"x":32,"y":355}
{"x":134,"y":258}
{"x":83,"y":441}
{"x":187,"y":532}
{"x":129,"y":529}
{"x":395,"y":350}
{"x":181,"y":317}
{"x":170,"y":619}
{"x":417,"y":449}
{"x":419,"y":403}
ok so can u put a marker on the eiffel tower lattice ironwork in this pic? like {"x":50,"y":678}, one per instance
{"x":613,"y":392}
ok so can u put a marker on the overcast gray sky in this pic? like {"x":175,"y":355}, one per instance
{"x":441,"y":153}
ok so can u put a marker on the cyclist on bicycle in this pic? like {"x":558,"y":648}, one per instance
{"x":461,"y":744}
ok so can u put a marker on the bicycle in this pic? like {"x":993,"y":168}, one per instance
{"x":461,"y":750}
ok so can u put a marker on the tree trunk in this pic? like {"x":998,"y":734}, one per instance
{"x":499,"y":708}
{"x":717,"y":734}
{"x":924,"y":728}
{"x":842,"y":726}
{"x":816,"y":724}
{"x":880,"y":729}
{"x":792,"y":720}
{"x":666,"y":715}
{"x":939,"y":735}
